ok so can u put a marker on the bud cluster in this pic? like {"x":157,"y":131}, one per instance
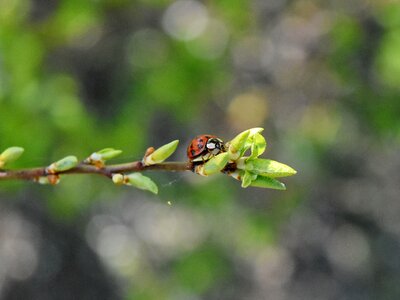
{"x":247,"y":167}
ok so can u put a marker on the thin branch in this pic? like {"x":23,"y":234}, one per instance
{"x":108,"y":171}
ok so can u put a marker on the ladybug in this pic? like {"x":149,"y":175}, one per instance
{"x":204,"y":146}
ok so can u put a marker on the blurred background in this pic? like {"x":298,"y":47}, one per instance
{"x":322,"y":78}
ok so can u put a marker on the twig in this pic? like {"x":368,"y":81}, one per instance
{"x":108,"y":171}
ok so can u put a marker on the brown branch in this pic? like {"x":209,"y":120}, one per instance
{"x":108,"y":171}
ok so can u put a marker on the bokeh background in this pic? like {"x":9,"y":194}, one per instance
{"x":322,"y":78}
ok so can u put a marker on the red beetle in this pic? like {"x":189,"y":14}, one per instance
{"x":205,"y":146}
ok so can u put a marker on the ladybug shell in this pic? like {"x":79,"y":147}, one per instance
{"x":198,"y":145}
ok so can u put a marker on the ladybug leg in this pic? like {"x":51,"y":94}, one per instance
{"x":208,"y":155}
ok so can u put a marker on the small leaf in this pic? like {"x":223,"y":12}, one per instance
{"x":108,"y":153}
{"x":246,"y":180}
{"x":98,"y":158}
{"x":62,"y":165}
{"x":258,"y":145}
{"x":268,"y":182}
{"x":270,"y":168}
{"x":10,"y":154}
{"x":142,"y":182}
{"x":237,"y":144}
{"x":161,"y":153}
{"x":216,"y":164}
{"x":250,"y":138}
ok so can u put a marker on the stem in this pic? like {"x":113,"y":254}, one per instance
{"x":108,"y":171}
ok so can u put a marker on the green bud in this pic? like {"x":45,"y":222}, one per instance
{"x":98,"y":158}
{"x":160,"y":154}
{"x":250,"y":138}
{"x":237,"y":144}
{"x":10,"y":154}
{"x":267,"y":167}
{"x":268,"y":182}
{"x":216,"y":164}
{"x":107,"y":153}
{"x":142,"y":182}
{"x":62,"y":165}
{"x":118,"y":179}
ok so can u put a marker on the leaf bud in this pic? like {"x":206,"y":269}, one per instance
{"x":63,"y":164}
{"x":160,"y":154}
{"x":10,"y":154}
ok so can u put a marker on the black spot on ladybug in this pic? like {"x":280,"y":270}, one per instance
{"x":193,"y":152}
{"x":200,"y":140}
{"x":200,"y":145}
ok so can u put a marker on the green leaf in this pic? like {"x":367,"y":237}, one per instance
{"x":142,"y":182}
{"x":64,"y":164}
{"x":246,"y":179}
{"x":268,"y":182}
{"x":10,"y":154}
{"x":161,"y":153}
{"x":270,"y":168}
{"x":216,"y":164}
{"x":245,"y":140}
{"x":254,"y":141}
{"x":108,"y":153}
{"x":258,"y":145}
{"x":236,"y":145}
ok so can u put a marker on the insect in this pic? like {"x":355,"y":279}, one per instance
{"x":204,"y":146}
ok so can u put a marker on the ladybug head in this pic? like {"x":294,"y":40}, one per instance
{"x":215,"y":144}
